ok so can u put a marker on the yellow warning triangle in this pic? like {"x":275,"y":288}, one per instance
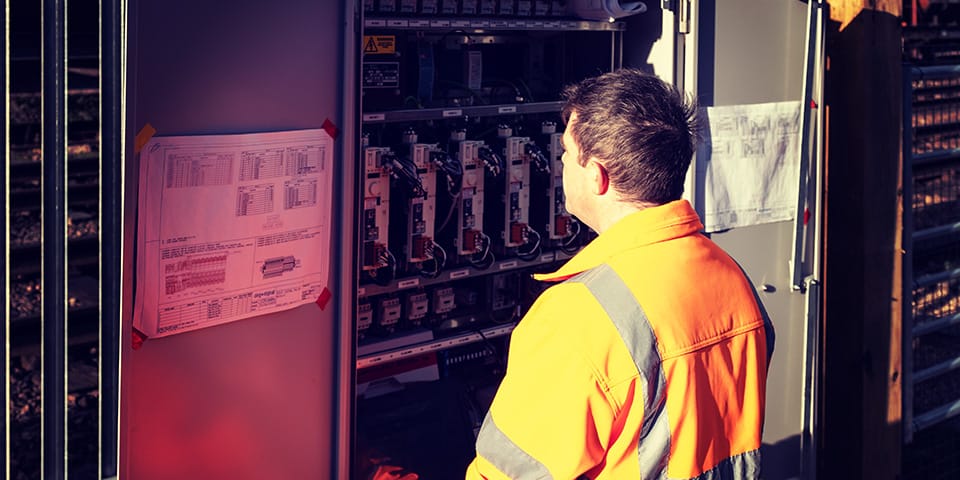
{"x":371,"y":45}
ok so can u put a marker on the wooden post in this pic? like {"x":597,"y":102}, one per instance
{"x":861,"y":395}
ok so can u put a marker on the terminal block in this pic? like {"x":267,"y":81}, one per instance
{"x":376,"y":207}
{"x":422,"y":246}
{"x":472,"y":241}
{"x":562,"y":226}
{"x":518,"y":233}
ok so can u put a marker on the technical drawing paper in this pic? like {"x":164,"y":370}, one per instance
{"x":230,"y":227}
{"x":749,"y":164}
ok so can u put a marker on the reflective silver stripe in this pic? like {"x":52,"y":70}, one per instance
{"x":631,"y":322}
{"x":654,"y":451}
{"x":615,"y":297}
{"x":745,"y":466}
{"x":497,"y":448}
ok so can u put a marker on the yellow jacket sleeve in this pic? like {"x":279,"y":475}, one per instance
{"x":552,"y":413}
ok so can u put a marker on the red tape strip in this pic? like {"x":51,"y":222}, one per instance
{"x":331,"y":129}
{"x":324,"y":298}
{"x":137,"y":339}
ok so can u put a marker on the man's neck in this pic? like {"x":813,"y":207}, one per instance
{"x":609,"y":213}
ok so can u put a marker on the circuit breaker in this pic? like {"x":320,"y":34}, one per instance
{"x":550,"y":217}
{"x":421,"y":252}
{"x":512,"y":195}
{"x":477,"y":161}
{"x":375,"y":254}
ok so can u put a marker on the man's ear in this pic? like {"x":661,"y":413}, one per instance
{"x":600,"y":181}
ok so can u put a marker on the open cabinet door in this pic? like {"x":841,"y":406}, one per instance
{"x":742,"y":53}
{"x":259,"y":397}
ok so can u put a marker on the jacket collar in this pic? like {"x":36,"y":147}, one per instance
{"x":648,"y":226}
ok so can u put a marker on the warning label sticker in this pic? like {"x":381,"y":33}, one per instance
{"x":379,"y":44}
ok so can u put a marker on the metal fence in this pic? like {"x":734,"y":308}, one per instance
{"x":932,"y":239}
{"x":61,"y":185}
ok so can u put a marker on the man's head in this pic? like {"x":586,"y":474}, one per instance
{"x":633,"y":133}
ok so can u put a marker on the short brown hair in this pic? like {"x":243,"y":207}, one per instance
{"x":640,"y":128}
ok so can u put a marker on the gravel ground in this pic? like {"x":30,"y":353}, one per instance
{"x":82,"y":414}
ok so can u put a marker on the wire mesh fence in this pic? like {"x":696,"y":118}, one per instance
{"x":936,"y":114}
{"x":933,"y":451}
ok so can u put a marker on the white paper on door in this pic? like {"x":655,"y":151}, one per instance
{"x":231,"y":227}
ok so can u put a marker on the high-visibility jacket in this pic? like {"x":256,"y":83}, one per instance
{"x":648,"y":361}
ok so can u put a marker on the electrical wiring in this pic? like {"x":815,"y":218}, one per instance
{"x":453,"y":208}
{"x":486,"y":257}
{"x":411,"y":99}
{"x":494,"y":351}
{"x":473,"y":93}
{"x":450,"y":167}
{"x":439,"y":261}
{"x":534,"y":251}
{"x":540,"y":161}
{"x":527,"y":88}
{"x":451,"y":32}
{"x":493,"y":161}
{"x":391,"y":264}
{"x":568,"y":246}
{"x":406,"y":172}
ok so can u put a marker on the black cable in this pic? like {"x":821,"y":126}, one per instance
{"x":453,"y":208}
{"x":535,"y":251}
{"x":405,"y":171}
{"x":438,"y":263}
{"x":487,"y":259}
{"x":540,"y":161}
{"x":493,"y":349}
{"x":391,"y":264}
{"x":451,"y":168}
{"x":451,"y":32}
{"x":493,"y":161}
{"x":570,"y":247}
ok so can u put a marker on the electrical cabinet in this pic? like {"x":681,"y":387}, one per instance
{"x":447,"y":196}
{"x":460,"y":200}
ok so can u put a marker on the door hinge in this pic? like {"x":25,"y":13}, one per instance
{"x":680,"y":8}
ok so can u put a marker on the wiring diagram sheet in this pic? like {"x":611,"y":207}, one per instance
{"x":749,"y":164}
{"x":230,"y":227}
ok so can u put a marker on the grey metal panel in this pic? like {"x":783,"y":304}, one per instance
{"x":757,"y":53}
{"x":253,"y":398}
{"x":763,"y":251}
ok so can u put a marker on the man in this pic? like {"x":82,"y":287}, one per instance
{"x":649,"y":358}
